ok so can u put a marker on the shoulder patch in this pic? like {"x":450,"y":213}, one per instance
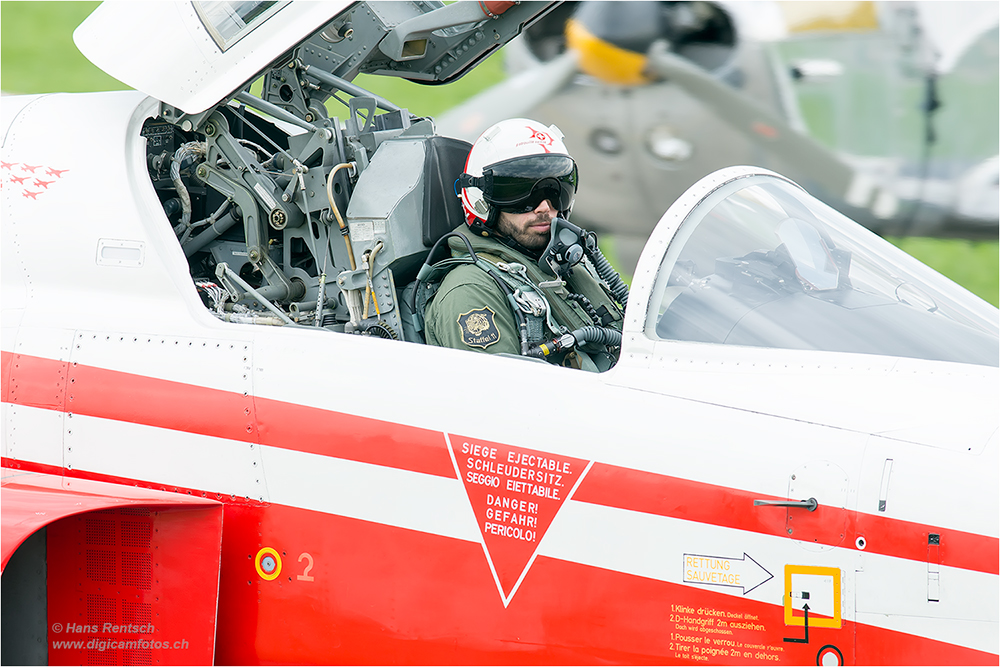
{"x":478,"y":327}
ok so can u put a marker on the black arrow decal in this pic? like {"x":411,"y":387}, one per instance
{"x":805,"y":618}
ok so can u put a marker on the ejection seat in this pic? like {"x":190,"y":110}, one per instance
{"x":403,"y":203}
{"x":444,"y":162}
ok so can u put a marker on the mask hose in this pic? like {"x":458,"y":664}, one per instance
{"x":583,"y":336}
{"x":604,"y":269}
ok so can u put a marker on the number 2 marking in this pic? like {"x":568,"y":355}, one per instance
{"x":305,"y":576}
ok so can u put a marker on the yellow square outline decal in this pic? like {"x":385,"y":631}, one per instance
{"x":834,"y":622}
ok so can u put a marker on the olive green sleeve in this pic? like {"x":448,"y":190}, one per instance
{"x":470,"y":312}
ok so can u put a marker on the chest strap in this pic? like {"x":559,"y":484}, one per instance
{"x":526,"y":297}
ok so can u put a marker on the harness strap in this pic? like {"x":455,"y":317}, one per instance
{"x":531,"y":297}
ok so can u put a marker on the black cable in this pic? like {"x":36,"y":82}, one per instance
{"x":428,"y":263}
{"x":587,"y":306}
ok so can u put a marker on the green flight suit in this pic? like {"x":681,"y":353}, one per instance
{"x":471,"y":312}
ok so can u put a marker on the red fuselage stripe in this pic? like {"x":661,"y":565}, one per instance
{"x":346,"y":436}
{"x":138,"y":399}
{"x":96,"y":392}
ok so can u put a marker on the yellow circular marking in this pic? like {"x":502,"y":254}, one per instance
{"x":830,"y":16}
{"x":603,"y":60}
{"x":257,"y":562}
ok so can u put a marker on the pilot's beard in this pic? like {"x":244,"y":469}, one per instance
{"x":523,"y":237}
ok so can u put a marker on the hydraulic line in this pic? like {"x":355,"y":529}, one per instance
{"x":344,"y":231}
{"x":193,"y":149}
{"x":222,"y":269}
{"x":321,"y":295}
{"x":213,"y":232}
{"x":251,"y":318}
{"x":210,"y":220}
{"x":257,"y":147}
{"x":369,"y":287}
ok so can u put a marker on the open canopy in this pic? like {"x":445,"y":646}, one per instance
{"x":194,"y":55}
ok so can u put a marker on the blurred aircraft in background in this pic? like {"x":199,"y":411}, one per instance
{"x":887,"y":111}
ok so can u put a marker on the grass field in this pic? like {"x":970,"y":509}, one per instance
{"x":37,"y":55}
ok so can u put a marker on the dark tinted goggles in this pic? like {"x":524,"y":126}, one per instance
{"x":520,"y":184}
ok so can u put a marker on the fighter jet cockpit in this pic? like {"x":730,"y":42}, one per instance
{"x":297,"y":197}
{"x":758,"y":262}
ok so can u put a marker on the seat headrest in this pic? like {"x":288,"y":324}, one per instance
{"x":444,"y":161}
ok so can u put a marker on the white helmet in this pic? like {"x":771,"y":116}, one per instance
{"x":513,"y":166}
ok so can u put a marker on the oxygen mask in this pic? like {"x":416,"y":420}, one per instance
{"x":565,"y":249}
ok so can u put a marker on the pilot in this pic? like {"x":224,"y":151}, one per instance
{"x":525,"y":293}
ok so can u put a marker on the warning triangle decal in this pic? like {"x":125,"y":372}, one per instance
{"x":515,"y":494}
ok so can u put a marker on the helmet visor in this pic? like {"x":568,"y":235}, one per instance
{"x":520,"y":184}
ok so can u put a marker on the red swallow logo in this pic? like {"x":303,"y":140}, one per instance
{"x":33,"y":195}
{"x":542,"y":138}
{"x":39,"y":183}
{"x":31,"y":168}
{"x":7,"y":165}
{"x":19,"y":179}
{"x":56,"y":172}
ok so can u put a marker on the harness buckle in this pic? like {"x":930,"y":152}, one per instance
{"x":530,"y":302}
{"x":514,"y":269}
